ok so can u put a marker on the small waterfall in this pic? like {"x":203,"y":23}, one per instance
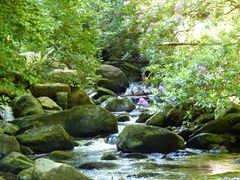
{"x":6,"y":113}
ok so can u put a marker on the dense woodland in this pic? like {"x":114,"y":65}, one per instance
{"x":182,"y":56}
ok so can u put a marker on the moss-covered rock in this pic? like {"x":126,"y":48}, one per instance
{"x":225,"y":108}
{"x":85,"y":120}
{"x":8,"y":144}
{"x":109,"y":156}
{"x":143,"y":117}
{"x":15,"y":163}
{"x":205,"y":140}
{"x":49,"y":105}
{"x":61,"y":155}
{"x":103,"y":92}
{"x":171,"y":116}
{"x":117,"y":80}
{"x":204,"y":118}
{"x":61,"y":99}
{"x":10,"y":129}
{"x":26,"y":105}
{"x":116,"y":105}
{"x":77,"y":97}
{"x":26,"y":174}
{"x":221,"y":125}
{"x":49,"y":89}
{"x":143,"y":138}
{"x":46,"y":139}
{"x":123,"y":117}
{"x":45,"y":169}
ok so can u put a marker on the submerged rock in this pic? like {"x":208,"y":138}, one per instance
{"x":109,"y":156}
{"x":98,"y":165}
{"x":46,"y":139}
{"x":143,"y":138}
{"x":26,"y":105}
{"x":61,"y":155}
{"x":85,"y":120}
{"x":116,"y":105}
{"x":115,"y":79}
{"x":15,"y":163}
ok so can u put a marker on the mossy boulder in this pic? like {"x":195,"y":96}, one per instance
{"x":205,"y":118}
{"x":8,"y":144}
{"x":26,"y":105}
{"x":117,"y":80}
{"x":46,"y":139}
{"x":116,"y":105}
{"x":109,"y":156}
{"x":77,"y":97}
{"x":45,"y":169}
{"x":221,"y":125}
{"x":103,"y":92}
{"x":10,"y":129}
{"x":132,"y":72}
{"x":123,"y":117}
{"x":49,"y":105}
{"x":144,"y":138}
{"x":143,"y":117}
{"x":25,"y":174}
{"x":171,"y":116}
{"x":61,"y":99}
{"x":225,"y":108}
{"x":15,"y":163}
{"x":61,"y":155}
{"x":49,"y":89}
{"x":205,"y":140}
{"x":80,"y":121}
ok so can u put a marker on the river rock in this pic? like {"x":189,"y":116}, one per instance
{"x":143,"y":138}
{"x":49,"y":89}
{"x":8,"y":144}
{"x":15,"y":163}
{"x":123,"y":117}
{"x":26,"y":105}
{"x":85,"y":120}
{"x":10,"y":129}
{"x":204,"y":118}
{"x":204,"y":140}
{"x":61,"y":99}
{"x":77,"y":97}
{"x":45,"y":169}
{"x":48,"y":104}
{"x":98,"y":165}
{"x":116,"y":105}
{"x":109,"y":156}
{"x":226,"y":108}
{"x":46,"y":139}
{"x":143,"y":117}
{"x":171,"y":116}
{"x":221,"y":125}
{"x":61,"y":155}
{"x":104,"y":92}
{"x":115,"y":79}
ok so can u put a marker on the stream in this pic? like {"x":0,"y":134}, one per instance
{"x":183,"y":164}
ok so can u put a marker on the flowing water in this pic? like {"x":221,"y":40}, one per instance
{"x":185,"y":164}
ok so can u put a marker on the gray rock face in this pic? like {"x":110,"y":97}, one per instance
{"x":85,"y":120}
{"x":46,"y":139}
{"x":15,"y":163}
{"x":8,"y":144}
{"x":26,"y":105}
{"x":45,"y":169}
{"x":143,"y":138}
{"x":115,"y":79}
{"x":116,"y":105}
{"x":49,"y":105}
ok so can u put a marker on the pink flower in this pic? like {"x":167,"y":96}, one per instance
{"x":179,"y":17}
{"x":141,"y":16}
{"x":161,"y":88}
{"x":178,"y":7}
{"x":203,"y":68}
{"x":143,"y":101}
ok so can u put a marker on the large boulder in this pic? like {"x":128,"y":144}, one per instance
{"x":10,"y":129}
{"x":143,"y":138}
{"x":85,"y":120}
{"x":26,"y":105}
{"x":77,"y":97}
{"x":49,"y":89}
{"x":205,"y":140}
{"x":171,"y":116}
{"x":45,"y":169}
{"x":46,"y":139}
{"x":117,"y":80}
{"x":222,"y":125}
{"x":8,"y":144}
{"x":116,"y":104}
{"x":15,"y":163}
{"x":49,"y":105}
